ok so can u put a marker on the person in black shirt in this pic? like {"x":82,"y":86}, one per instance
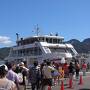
{"x":71,"y":69}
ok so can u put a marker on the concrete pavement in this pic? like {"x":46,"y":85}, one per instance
{"x":76,"y":86}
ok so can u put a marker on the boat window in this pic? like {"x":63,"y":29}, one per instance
{"x":19,"y":53}
{"x":59,"y":50}
{"x":60,"y":41}
{"x":13,"y":53}
{"x":28,"y":52}
{"x":54,"y":40}
{"x":47,"y":40}
{"x":41,"y":39}
{"x":37,"y":51}
{"x":27,"y":41}
{"x":50,"y":41}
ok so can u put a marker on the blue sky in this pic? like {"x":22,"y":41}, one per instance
{"x":70,"y":18}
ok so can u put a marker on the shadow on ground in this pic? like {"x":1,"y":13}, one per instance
{"x":84,"y":89}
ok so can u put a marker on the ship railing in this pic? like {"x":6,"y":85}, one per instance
{"x":54,"y":55}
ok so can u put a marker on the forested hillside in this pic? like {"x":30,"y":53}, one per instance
{"x":4,"y":52}
{"x":81,"y":47}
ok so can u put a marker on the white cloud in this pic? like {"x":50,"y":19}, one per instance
{"x":5,"y":40}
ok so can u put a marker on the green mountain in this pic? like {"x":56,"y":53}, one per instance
{"x":81,"y":47}
{"x":4,"y":52}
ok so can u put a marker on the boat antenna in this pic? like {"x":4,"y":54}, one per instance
{"x":17,"y":36}
{"x":37,"y":30}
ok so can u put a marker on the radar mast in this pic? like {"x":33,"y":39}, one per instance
{"x":36,"y":30}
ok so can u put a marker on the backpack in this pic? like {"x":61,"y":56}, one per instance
{"x":20,"y":77}
{"x":55,"y":73}
{"x":35,"y":73}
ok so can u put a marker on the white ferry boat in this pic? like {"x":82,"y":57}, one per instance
{"x":41,"y":47}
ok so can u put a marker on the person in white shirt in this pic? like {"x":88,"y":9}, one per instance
{"x":5,"y":84}
{"x":47,"y":76}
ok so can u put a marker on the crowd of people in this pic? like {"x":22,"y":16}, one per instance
{"x":13,"y":76}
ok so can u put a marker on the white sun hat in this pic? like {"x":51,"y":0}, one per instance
{"x":6,"y":68}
